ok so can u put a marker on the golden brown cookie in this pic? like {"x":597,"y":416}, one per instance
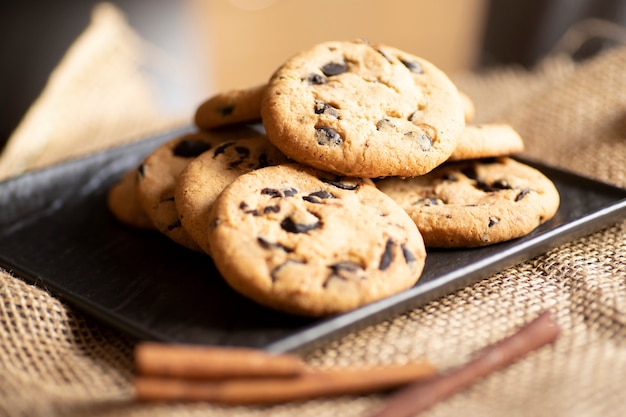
{"x":124,"y":204}
{"x":475,"y":203}
{"x":362,"y":110}
{"x":312,"y":243}
{"x":240,"y":105}
{"x":487,"y":140}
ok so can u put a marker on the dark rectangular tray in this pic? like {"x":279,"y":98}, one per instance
{"x":56,"y":232}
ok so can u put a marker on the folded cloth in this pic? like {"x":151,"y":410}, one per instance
{"x":98,"y":96}
{"x":56,"y":362}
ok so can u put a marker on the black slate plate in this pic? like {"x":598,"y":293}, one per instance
{"x":56,"y":233}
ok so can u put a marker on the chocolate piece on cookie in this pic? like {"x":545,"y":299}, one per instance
{"x":362,"y":110}
{"x":312,"y":243}
{"x":475,"y":203}
{"x":486,"y":141}
{"x":241,"y":105}
{"x":206,"y":176}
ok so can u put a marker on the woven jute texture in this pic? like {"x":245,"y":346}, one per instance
{"x":54,"y":361}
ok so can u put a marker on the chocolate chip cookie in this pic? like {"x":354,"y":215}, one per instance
{"x":487,"y":140}
{"x":475,"y":203}
{"x":124,"y":204}
{"x":312,"y":243}
{"x":365,"y":110}
{"x":230,"y":107}
{"x":206,"y":176}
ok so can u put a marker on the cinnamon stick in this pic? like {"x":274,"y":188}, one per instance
{"x":208,"y":362}
{"x":422,"y":395}
{"x":307,"y":385}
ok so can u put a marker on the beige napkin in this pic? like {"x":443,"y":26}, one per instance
{"x":98,"y":96}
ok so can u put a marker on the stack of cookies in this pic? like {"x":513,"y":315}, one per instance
{"x":320,"y":191}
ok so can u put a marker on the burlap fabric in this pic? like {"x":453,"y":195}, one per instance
{"x":54,"y":361}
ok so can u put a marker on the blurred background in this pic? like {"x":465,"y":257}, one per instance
{"x":222,"y":44}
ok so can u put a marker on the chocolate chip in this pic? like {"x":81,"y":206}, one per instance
{"x":272,"y":192}
{"x":242,"y":150}
{"x":244,"y":207}
{"x":226,"y":110}
{"x":216,"y":222}
{"x":345,"y":266}
{"x":291,"y":226}
{"x":334,"y":68}
{"x":317,"y":196}
{"x":345,"y":271}
{"x":493,"y":221}
{"x":416,"y":117}
{"x":470,"y":172}
{"x":424,"y":141}
{"x":501,"y":184}
{"x":385,"y":124}
{"x":283,"y":269}
{"x":385,"y":260}
{"x":336,"y":182}
{"x":173,"y":226}
{"x":289,"y":192}
{"x":327,"y":136}
{"x":263,"y":161}
{"x":141,"y":170}
{"x":522,"y":194}
{"x":413,"y":66}
{"x":222,"y":148}
{"x":384,"y":54}
{"x":271,"y":209}
{"x":497,"y":185}
{"x":408,"y":255}
{"x":190,"y":148}
{"x":266,"y":244}
{"x":484,"y":186}
{"x":316,"y":79}
{"x":325,"y":108}
{"x":429,"y":201}
{"x":243,"y":153}
{"x":322,"y":194}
